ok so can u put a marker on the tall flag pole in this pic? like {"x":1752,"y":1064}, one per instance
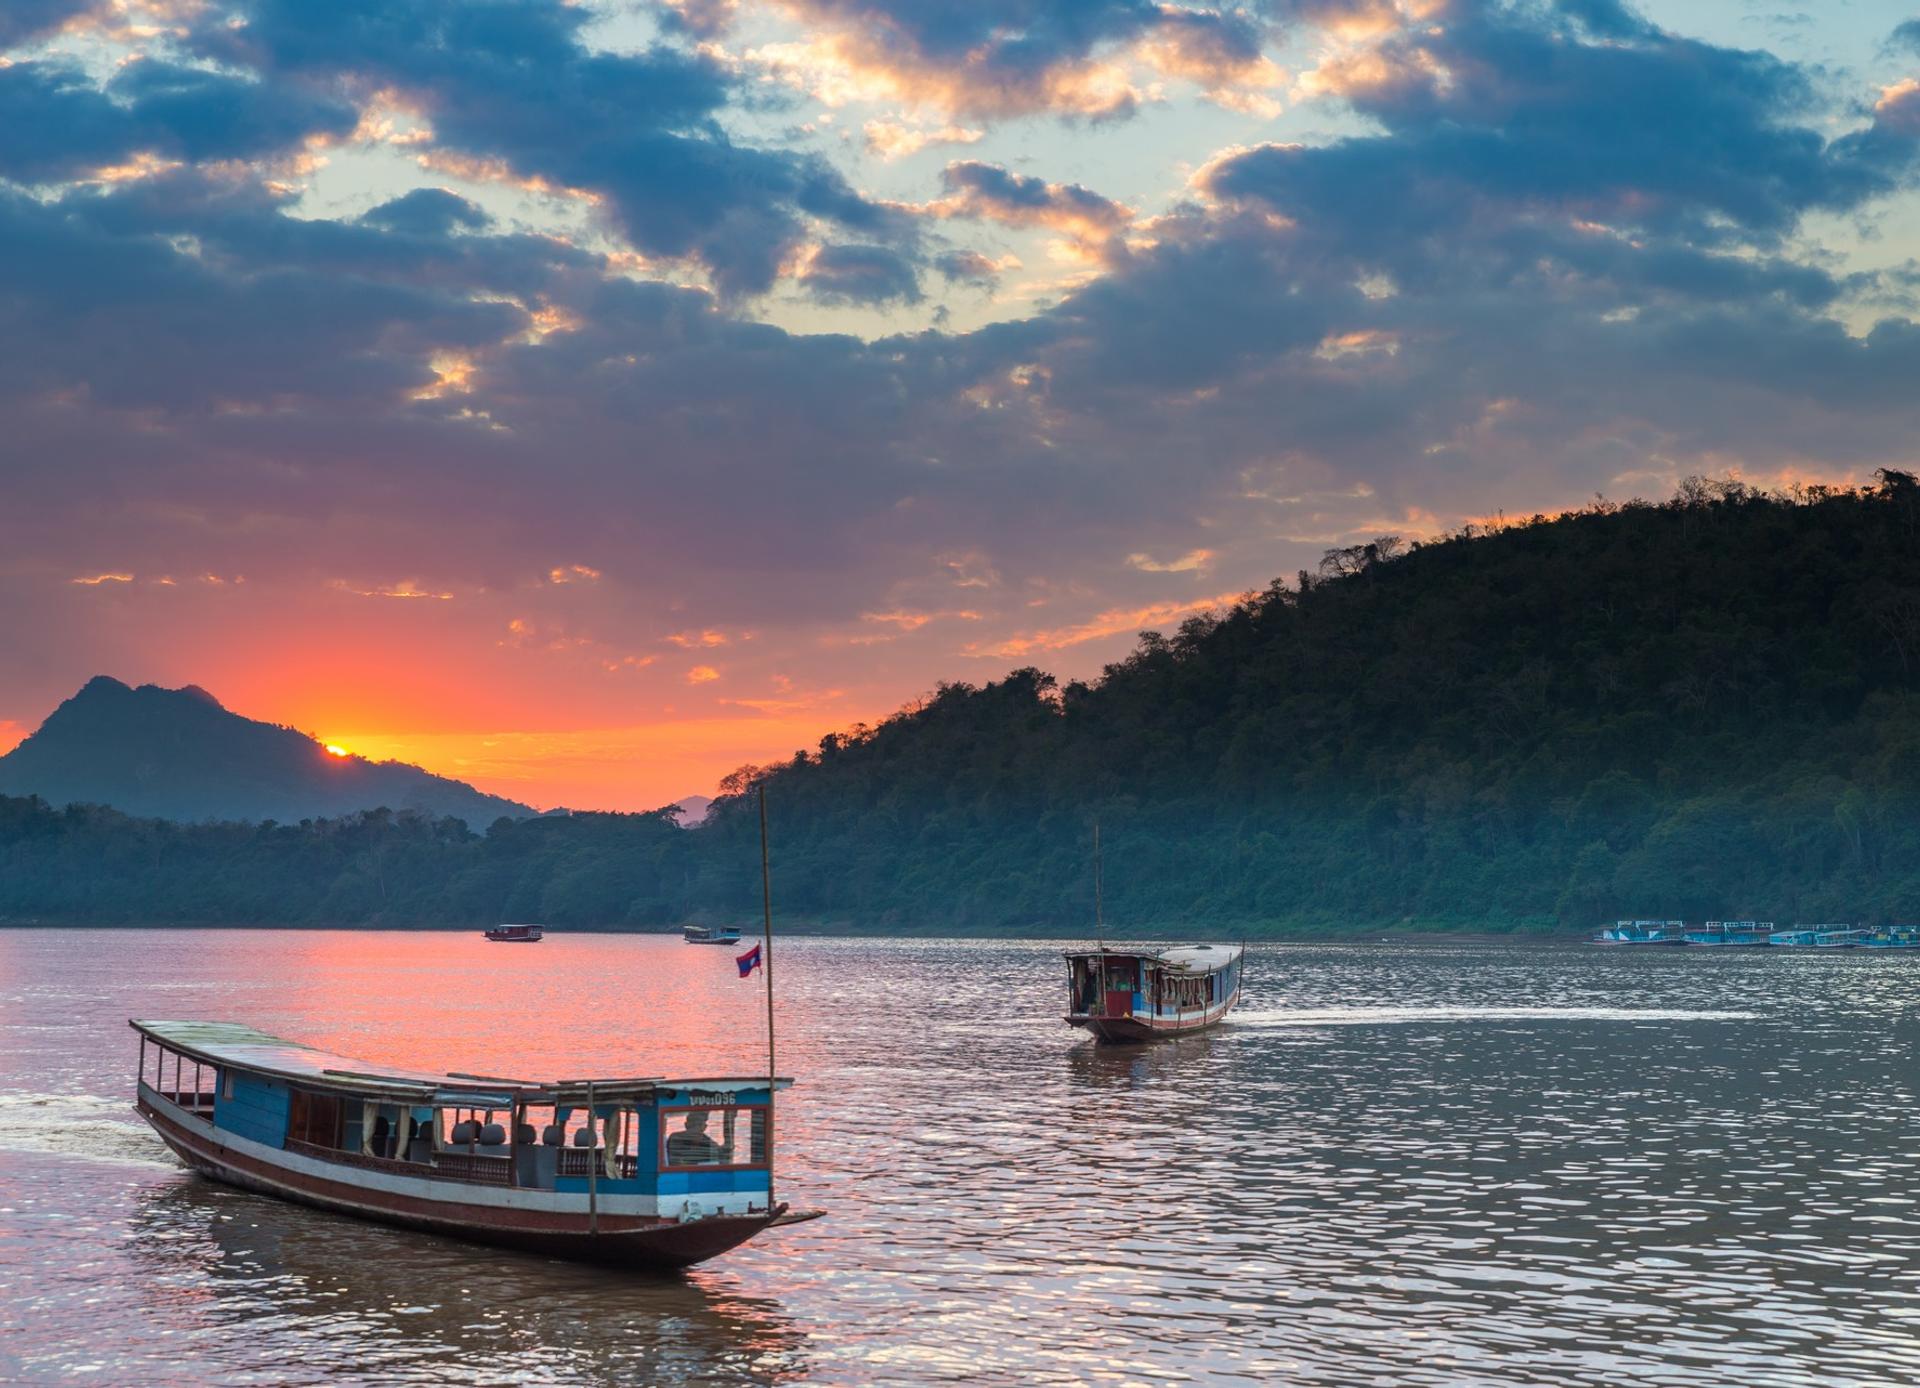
{"x":1099,"y":926}
{"x":766,"y":970}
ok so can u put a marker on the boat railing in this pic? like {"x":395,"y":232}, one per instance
{"x":446,"y":1166}
{"x":363,"y":1160}
{"x":579,"y":1161}
{"x":471,"y":1166}
{"x":197,"y":1103}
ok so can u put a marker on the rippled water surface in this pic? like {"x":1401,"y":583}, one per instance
{"x":1442,"y":1164}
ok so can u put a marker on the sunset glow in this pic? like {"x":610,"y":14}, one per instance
{"x":838,"y":349}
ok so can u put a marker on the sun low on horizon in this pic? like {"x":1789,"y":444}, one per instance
{"x":584,"y":400}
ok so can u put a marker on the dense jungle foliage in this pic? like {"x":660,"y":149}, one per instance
{"x":1705,"y":707}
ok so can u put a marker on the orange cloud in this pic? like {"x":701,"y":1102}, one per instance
{"x":849,"y":66}
{"x":912,"y":621}
{"x":893,"y":140}
{"x":1193,"y":561}
{"x":95,"y":580}
{"x":406,"y":589}
{"x":1113,"y":622}
{"x":702,"y":674}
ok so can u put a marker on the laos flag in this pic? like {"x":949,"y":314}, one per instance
{"x":749,"y":961}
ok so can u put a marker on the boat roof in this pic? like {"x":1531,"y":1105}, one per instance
{"x":1200,"y":958}
{"x":245,"y":1048}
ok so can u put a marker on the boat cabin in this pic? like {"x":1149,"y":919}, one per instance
{"x":551,"y":1157}
{"x":1137,"y":994}
{"x":711,"y":934}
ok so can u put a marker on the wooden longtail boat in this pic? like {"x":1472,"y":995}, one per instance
{"x":1124,"y":995}
{"x":710,"y":934}
{"x":644,"y":1173}
{"x":1130,"y":995}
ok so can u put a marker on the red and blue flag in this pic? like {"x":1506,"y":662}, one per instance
{"x":749,"y":961}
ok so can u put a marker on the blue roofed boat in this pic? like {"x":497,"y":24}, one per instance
{"x":710,"y":934}
{"x":1892,"y":937}
{"x":643,"y":1172}
{"x":1820,"y":937}
{"x":1642,"y":933}
{"x":1732,"y":934}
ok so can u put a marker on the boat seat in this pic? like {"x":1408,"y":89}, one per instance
{"x":493,"y":1135}
{"x":554,"y":1137}
{"x":524,"y":1135}
{"x":465,"y":1131}
{"x":586,"y":1137}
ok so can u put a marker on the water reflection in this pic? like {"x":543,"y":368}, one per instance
{"x":1403,"y":1166}
{"x":223,"y":1268}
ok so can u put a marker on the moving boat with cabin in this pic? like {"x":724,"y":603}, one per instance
{"x":1124,"y":995}
{"x":516,"y":934}
{"x":644,"y":1172}
{"x":710,"y":934}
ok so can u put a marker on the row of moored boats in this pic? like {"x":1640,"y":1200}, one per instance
{"x":1758,"y":935}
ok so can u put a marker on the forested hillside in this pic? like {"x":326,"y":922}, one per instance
{"x":1704,"y":707}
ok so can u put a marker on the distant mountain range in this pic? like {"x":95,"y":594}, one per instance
{"x":177,"y":754}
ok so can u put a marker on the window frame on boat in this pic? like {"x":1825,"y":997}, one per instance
{"x":762,"y":1111}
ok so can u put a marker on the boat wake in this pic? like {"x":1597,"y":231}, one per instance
{"x":89,"y":1126}
{"x":1390,"y":1016}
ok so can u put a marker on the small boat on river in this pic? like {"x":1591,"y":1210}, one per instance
{"x":637,"y":1173}
{"x":1732,"y":935}
{"x":516,"y":934}
{"x":1643,"y":933}
{"x":1819,"y":937}
{"x":1133,"y":995}
{"x":710,"y":934}
{"x":1130,"y":995}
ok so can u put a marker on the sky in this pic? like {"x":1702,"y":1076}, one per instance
{"x":586,"y":399}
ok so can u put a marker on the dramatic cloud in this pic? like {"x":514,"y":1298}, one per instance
{"x":1009,"y":58}
{"x":512,"y":86}
{"x":991,"y":192}
{"x":605,"y":392}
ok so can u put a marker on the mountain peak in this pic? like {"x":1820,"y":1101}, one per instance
{"x":178,"y":754}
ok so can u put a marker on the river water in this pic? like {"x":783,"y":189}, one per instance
{"x":1400,"y":1164}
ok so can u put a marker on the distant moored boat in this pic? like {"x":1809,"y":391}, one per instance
{"x":1642,"y":933}
{"x":516,"y":934}
{"x":1733,"y":934}
{"x":711,"y":934}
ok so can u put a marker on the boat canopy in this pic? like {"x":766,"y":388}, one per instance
{"x":1198,"y":958}
{"x":244,"y":1048}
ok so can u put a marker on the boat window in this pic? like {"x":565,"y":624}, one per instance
{"x":314,"y":1118}
{"x":707,"y":1137}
